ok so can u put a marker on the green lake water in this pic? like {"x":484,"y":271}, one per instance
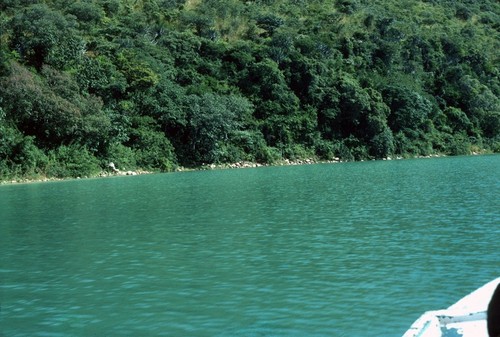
{"x":351,"y":249}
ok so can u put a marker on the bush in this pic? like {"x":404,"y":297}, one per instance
{"x":297,"y":151}
{"x":347,"y":6}
{"x":325,"y":149}
{"x":122,"y":156}
{"x":494,"y":144}
{"x":459,"y":145}
{"x":72,"y":161}
{"x":19,"y":155}
{"x":350,"y":149}
{"x":45,"y":36}
{"x":382,"y":144}
{"x":343,"y":152}
{"x":86,"y":12}
{"x":268,"y":155}
{"x":153,"y":151}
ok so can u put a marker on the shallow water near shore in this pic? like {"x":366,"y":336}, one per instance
{"x":350,"y":249}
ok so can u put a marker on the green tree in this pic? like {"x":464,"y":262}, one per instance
{"x":19,"y":156}
{"x":213,"y":121}
{"x":409,"y":109}
{"x":99,"y":76}
{"x":51,"y":108}
{"x":42,"y":35}
{"x":153,"y":151}
{"x":72,"y":161}
{"x":150,"y":83}
{"x":164,"y":102}
{"x":269,"y":23}
{"x":382,"y":144}
{"x":86,"y":12}
{"x":482,"y":104}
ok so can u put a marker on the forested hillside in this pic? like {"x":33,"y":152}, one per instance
{"x":155,"y":84}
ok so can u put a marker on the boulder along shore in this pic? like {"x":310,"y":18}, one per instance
{"x":113,"y":171}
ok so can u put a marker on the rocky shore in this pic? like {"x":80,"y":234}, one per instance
{"x":113,"y":171}
{"x":288,"y":162}
{"x":102,"y":174}
{"x":247,"y":164}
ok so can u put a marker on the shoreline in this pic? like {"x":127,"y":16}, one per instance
{"x":208,"y":167}
{"x":126,"y":173}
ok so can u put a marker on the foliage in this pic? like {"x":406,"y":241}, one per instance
{"x":72,"y":161}
{"x":42,"y":35}
{"x":213,"y":122}
{"x":153,"y":151}
{"x":154,"y":84}
{"x":20,"y":156}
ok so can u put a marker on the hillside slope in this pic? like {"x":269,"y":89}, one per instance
{"x":154,"y":84}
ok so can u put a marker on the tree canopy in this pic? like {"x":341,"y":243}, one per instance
{"x":155,"y":84}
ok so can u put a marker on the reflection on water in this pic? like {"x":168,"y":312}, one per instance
{"x":350,"y":249}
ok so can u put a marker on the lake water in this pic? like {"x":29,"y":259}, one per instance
{"x":351,"y":249}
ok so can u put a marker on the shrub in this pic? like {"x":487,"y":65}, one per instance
{"x":153,"y":151}
{"x":72,"y":161}
{"x":19,"y":155}
{"x":382,"y":144}
{"x":122,"y":156}
{"x":459,"y":145}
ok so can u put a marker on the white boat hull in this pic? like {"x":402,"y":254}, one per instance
{"x":466,"y":318}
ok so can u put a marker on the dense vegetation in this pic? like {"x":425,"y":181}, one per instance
{"x":154,"y":84}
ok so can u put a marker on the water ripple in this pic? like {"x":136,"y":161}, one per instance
{"x":291,"y":251}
